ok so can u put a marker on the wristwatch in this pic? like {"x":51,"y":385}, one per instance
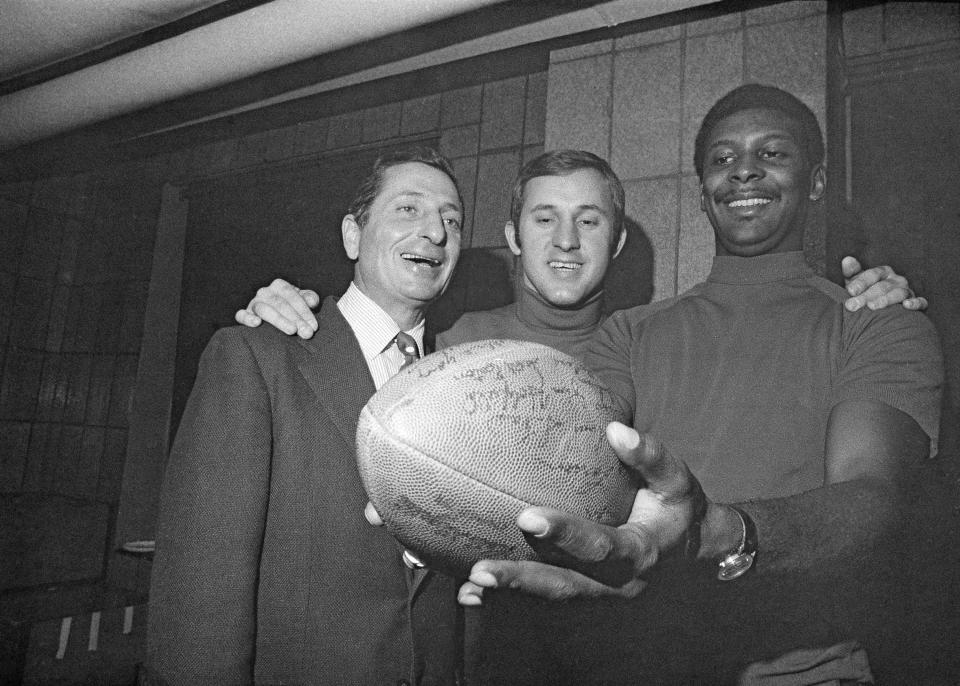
{"x":738,"y":562}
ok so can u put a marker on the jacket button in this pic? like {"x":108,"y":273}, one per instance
{"x":403,"y":682}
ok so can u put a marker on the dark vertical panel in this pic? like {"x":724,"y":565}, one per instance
{"x":896,"y":136}
{"x":905,"y":144}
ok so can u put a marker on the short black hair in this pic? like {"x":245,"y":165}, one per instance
{"x":562,"y":163}
{"x":371,"y":186}
{"x":758,"y":96}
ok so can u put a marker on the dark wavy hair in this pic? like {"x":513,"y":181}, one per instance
{"x":561,"y":163}
{"x":371,"y":186}
{"x":755,"y":96}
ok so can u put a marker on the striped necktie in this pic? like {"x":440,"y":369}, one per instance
{"x":408,"y":346}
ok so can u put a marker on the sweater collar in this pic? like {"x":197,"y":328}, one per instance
{"x":761,"y":269}
{"x":537,"y":313}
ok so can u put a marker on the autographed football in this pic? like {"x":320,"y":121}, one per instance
{"x":453,"y":447}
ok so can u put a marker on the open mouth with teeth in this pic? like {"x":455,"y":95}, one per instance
{"x":748,"y":202}
{"x":565,"y":266}
{"x":421,"y":259}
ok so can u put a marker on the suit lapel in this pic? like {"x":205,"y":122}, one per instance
{"x":342,"y":383}
{"x":337,"y":372}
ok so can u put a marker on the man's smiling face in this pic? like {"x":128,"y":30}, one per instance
{"x":566,"y":236}
{"x":756,"y":183}
{"x":408,"y":247}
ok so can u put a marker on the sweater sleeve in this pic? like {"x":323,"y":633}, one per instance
{"x":892,"y":356}
{"x":202,"y":619}
{"x":608,"y":356}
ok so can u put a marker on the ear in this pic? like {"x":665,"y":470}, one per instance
{"x":703,"y":202}
{"x":350,"y":231}
{"x":620,"y":242}
{"x":818,"y":182}
{"x":510,"y":232}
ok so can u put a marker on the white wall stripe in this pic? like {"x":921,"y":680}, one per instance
{"x":64,"y":636}
{"x":94,"y":640}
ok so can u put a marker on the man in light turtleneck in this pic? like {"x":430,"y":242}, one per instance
{"x":566,"y":225}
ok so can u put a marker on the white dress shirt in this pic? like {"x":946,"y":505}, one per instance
{"x":375,"y":331}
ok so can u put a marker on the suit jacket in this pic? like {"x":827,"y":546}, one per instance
{"x":265,"y":568}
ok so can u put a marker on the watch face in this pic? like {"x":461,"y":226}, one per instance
{"x":734,"y":566}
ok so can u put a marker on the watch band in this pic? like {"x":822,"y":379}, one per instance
{"x":737,"y":563}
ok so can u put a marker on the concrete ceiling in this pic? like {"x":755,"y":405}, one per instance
{"x":66,"y":65}
{"x":39,"y":33}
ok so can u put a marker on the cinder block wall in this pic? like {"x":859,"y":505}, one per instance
{"x":73,"y":283}
{"x":487,"y":130}
{"x":638,"y":101}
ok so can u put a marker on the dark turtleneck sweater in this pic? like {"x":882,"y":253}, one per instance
{"x":738,"y":375}
{"x":531,"y":318}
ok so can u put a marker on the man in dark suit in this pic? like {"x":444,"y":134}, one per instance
{"x":266,"y":570}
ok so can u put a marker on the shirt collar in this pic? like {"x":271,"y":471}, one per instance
{"x":374,"y":328}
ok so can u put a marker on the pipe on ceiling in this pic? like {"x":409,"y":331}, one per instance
{"x":262,"y":38}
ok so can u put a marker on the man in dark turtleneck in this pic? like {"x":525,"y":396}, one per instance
{"x":566,"y":225}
